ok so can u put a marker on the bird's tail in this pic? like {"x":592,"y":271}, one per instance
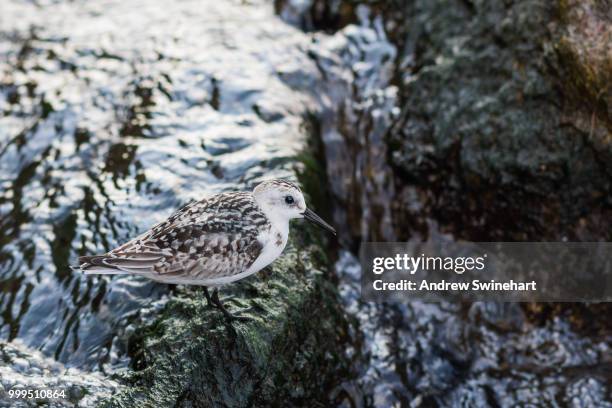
{"x":93,"y":265}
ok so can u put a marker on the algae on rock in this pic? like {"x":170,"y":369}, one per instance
{"x":286,"y":351}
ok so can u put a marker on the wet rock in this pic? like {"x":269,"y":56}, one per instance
{"x":115,"y":114}
{"x":472,"y":122}
{"x":286,"y":352}
{"x":504,"y":123}
{"x":23,"y":369}
{"x":491,"y":136}
{"x":583,"y":38}
{"x":311,"y":15}
{"x":481,"y":354}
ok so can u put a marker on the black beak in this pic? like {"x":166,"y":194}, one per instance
{"x":314,"y":218}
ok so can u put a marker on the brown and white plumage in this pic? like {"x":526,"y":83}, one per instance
{"x":213,"y":241}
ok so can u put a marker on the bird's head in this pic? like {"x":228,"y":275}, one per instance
{"x":283,"y":199}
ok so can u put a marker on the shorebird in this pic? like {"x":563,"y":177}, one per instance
{"x":212,"y":242}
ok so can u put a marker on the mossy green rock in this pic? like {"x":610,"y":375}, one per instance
{"x":502,"y":136}
{"x":286,"y":351}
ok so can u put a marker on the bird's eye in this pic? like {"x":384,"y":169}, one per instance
{"x":289,"y":199}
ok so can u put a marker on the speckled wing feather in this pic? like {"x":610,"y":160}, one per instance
{"x":203,"y":241}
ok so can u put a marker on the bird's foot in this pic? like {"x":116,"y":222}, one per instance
{"x":215,"y":302}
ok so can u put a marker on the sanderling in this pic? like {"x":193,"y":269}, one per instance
{"x":212,"y":242}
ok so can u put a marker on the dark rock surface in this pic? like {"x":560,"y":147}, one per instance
{"x":496,"y":135}
{"x":505,"y":123}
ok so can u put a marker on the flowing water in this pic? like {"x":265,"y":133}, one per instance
{"x":431,"y":354}
{"x":113,"y":114}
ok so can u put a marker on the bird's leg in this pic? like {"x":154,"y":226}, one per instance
{"x":208,"y":301}
{"x":217,"y":302}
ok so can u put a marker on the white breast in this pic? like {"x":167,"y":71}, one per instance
{"x":273,"y":242}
